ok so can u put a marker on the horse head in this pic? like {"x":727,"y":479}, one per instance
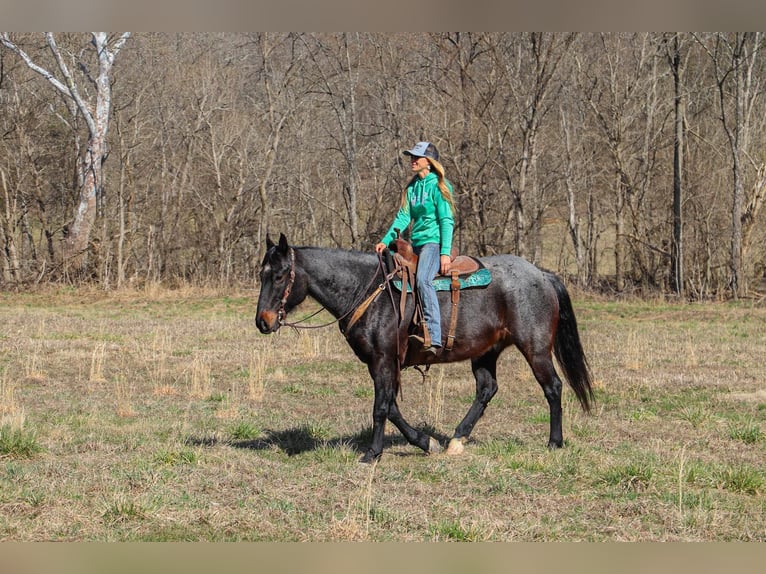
{"x":278,"y":294}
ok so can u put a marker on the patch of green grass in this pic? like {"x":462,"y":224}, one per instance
{"x":318,"y":431}
{"x":695,"y":415}
{"x":741,"y":478}
{"x":124,"y":509}
{"x":177,"y":533}
{"x":323,"y":369}
{"x":364,"y":392}
{"x":384,"y":517}
{"x":499,"y":448}
{"x":294,"y":389}
{"x":634,"y":476}
{"x":341,"y":455}
{"x":504,"y":484}
{"x":174,"y":458}
{"x":642,"y":414}
{"x":697,"y":474}
{"x":33,"y":498}
{"x":18,"y":442}
{"x":431,"y":474}
{"x":14,"y":471}
{"x":538,"y":418}
{"x":747,"y":431}
{"x":584,"y":429}
{"x":180,"y":353}
{"x":454,"y":531}
{"x":245,"y":431}
{"x":286,"y":506}
{"x":217,"y":397}
{"x":698,"y":501}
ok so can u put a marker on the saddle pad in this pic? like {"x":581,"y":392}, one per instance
{"x":480,"y":278}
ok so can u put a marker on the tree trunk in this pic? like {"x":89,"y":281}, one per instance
{"x":96,"y":115}
{"x":8,"y":236}
{"x":676,"y":246}
{"x":619,"y":235}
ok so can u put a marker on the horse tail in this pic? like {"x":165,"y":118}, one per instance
{"x":568,"y":349}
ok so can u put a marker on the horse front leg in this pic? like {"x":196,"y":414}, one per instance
{"x":385,"y":375}
{"x":485,"y":372}
{"x":384,"y":394}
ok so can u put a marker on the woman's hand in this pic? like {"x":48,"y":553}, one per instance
{"x":445,"y":263}
{"x":380,"y":247}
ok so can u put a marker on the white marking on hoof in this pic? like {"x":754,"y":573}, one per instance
{"x":433,"y":446}
{"x":455,"y":447}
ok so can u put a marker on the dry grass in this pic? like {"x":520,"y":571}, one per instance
{"x":166,"y":416}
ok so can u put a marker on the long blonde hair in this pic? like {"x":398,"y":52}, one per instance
{"x":439,"y":169}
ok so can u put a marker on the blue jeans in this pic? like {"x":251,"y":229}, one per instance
{"x":428,"y":267}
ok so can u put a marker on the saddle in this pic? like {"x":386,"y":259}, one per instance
{"x":405,"y":264}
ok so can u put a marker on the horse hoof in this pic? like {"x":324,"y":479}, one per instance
{"x":433,"y":446}
{"x":369,"y":457}
{"x":455,"y":447}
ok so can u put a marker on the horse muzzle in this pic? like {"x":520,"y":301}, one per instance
{"x":267,"y":322}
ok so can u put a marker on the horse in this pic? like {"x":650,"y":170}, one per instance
{"x":523,"y":305}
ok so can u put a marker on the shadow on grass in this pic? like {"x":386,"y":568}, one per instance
{"x":298,"y":440}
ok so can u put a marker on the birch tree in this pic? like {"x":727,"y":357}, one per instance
{"x":90,"y":97}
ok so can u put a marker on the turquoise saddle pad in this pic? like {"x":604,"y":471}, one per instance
{"x":480,"y":278}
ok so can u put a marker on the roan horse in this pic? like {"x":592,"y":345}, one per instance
{"x":522,"y":306}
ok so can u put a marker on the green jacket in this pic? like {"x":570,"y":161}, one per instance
{"x":429,"y":213}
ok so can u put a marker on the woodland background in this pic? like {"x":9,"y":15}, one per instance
{"x":631,"y":163}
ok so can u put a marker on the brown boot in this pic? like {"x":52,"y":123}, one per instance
{"x":432,"y":350}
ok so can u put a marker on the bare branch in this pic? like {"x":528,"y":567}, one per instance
{"x":8,"y":43}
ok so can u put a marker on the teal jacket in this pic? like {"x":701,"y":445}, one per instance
{"x":429,"y":213}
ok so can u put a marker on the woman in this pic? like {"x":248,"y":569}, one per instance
{"x":427,"y":204}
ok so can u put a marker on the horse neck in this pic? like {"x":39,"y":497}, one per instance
{"x":337,"y":279}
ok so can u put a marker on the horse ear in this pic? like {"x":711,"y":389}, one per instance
{"x":269,"y":242}
{"x":283,"y":246}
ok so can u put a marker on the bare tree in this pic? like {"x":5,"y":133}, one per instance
{"x":532,"y":68}
{"x":735,"y":59}
{"x":573,"y":220}
{"x":276,"y":76}
{"x":673,"y":46}
{"x":96,"y":115}
{"x":622,"y":90}
{"x":337,"y":69}
{"x":465,"y":82}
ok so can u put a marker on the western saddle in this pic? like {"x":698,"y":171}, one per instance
{"x":405,"y":263}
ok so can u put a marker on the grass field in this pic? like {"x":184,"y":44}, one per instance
{"x":161,"y":416}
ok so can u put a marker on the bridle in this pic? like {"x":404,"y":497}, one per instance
{"x":281,"y":313}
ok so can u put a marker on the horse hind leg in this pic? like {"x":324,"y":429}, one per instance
{"x":485,"y":372}
{"x":418,"y":438}
{"x":545,"y":373}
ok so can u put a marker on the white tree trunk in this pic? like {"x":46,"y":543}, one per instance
{"x":96,"y":114}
